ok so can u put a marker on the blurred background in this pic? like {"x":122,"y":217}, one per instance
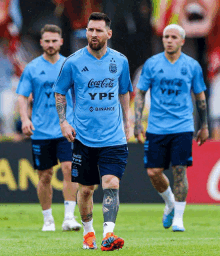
{"x":137,"y":30}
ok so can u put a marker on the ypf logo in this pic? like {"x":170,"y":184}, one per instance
{"x":91,"y":109}
{"x":213,"y":181}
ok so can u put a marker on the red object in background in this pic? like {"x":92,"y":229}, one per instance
{"x":79,"y":11}
{"x":213,"y":49}
{"x":10,"y":35}
{"x":204,"y":175}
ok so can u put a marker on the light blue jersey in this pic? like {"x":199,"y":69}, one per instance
{"x":171,"y":85}
{"x":98,"y":119}
{"x":38,"y":78}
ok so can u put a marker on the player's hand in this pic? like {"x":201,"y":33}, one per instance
{"x":68,"y":131}
{"x":27,"y":127}
{"x":139,"y":133}
{"x":202,"y":135}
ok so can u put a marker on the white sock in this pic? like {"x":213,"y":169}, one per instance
{"x":169,"y":199}
{"x":88,"y":227}
{"x":47,"y":214}
{"x":178,"y":214}
{"x":69,"y":209}
{"x":108,"y":227}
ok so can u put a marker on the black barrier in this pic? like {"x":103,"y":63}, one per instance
{"x":18,"y":179}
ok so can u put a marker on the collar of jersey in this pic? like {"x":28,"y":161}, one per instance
{"x":50,"y":62}
{"x":103,"y":57}
{"x":175,"y":61}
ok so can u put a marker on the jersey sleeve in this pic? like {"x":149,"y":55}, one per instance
{"x":145,"y":78}
{"x":125,"y":80}
{"x":64,"y":80}
{"x":198,"y":84}
{"x":25,"y":84}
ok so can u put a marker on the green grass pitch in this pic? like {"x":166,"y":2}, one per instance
{"x":139,"y":224}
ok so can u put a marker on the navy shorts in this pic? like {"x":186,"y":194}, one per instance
{"x":162,"y":150}
{"x":47,"y":152}
{"x":89,"y":163}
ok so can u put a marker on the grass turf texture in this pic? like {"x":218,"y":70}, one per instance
{"x":139,"y":224}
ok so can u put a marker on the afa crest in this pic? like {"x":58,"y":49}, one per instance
{"x":75,"y":172}
{"x":184,"y":71}
{"x":112,"y":68}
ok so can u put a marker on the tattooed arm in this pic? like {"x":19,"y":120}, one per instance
{"x":67,"y":130}
{"x":139,"y":106}
{"x":61,"y":106}
{"x":203,"y":133}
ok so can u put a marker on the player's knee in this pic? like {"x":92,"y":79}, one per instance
{"x":153,"y":173}
{"x":86,"y":191}
{"x":46,"y":177}
{"x":179,"y":170}
{"x":110,"y":182}
{"x":150,"y":173}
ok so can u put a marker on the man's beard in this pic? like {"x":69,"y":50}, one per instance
{"x":96,"y":47}
{"x":52,"y":53}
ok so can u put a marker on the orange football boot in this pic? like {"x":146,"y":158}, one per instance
{"x":112,"y":242}
{"x":89,"y":241}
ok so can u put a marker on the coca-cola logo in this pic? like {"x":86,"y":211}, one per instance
{"x":107,"y":82}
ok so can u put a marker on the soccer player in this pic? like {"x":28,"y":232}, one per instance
{"x":48,"y":143}
{"x":101,"y":80}
{"x":171,"y":76}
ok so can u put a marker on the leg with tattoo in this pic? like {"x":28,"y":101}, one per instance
{"x":110,"y":208}
{"x":180,"y":189}
{"x":110,"y":204}
{"x":180,"y":186}
{"x":87,"y":217}
{"x":85,"y":203}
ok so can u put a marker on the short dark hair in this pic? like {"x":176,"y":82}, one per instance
{"x":51,"y":28}
{"x":100,"y":16}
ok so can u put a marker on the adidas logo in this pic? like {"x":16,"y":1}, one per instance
{"x":42,"y":73}
{"x":84,"y":69}
{"x":161,"y":71}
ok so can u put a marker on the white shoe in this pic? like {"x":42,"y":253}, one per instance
{"x":71,"y":224}
{"x":49,"y":225}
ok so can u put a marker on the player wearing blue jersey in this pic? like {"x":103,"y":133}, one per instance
{"x":48,"y":143}
{"x":171,"y":76}
{"x":101,"y":81}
